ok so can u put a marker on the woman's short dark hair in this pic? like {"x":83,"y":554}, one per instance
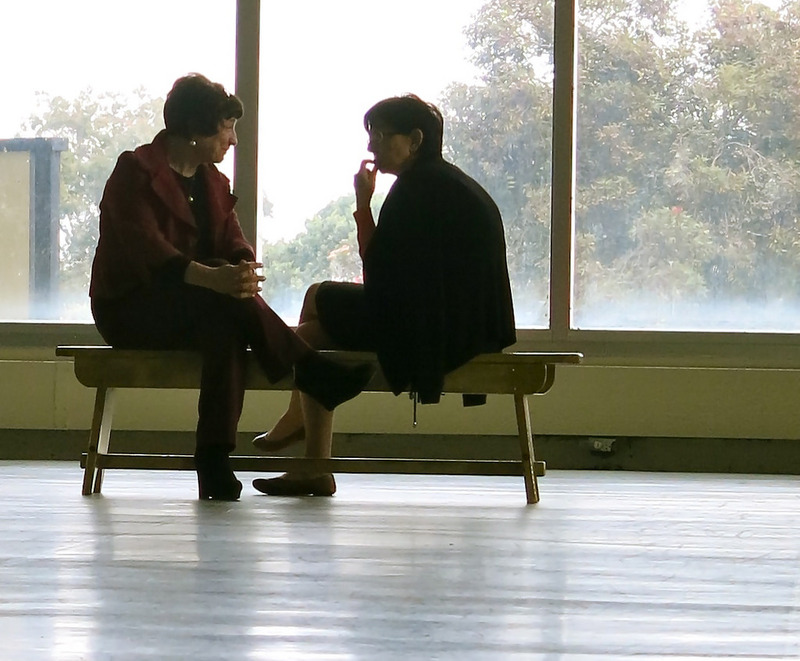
{"x":406,"y":113}
{"x":196,"y":106}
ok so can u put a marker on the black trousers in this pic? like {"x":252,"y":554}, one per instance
{"x":221,"y":328}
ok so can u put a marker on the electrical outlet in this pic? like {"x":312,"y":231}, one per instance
{"x":602,"y":445}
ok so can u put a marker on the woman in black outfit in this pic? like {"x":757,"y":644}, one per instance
{"x":436,"y":291}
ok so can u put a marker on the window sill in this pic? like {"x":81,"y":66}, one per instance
{"x":602,"y":348}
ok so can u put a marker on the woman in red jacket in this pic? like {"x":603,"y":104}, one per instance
{"x":172,"y":270}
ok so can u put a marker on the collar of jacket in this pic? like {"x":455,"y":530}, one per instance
{"x":153,"y":159}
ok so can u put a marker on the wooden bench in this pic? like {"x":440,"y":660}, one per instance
{"x":105,"y":369}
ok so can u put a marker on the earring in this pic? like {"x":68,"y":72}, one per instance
{"x":193,"y":143}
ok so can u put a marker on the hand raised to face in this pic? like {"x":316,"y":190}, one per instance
{"x":364,"y":183}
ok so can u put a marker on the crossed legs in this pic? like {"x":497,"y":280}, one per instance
{"x":305,"y":418}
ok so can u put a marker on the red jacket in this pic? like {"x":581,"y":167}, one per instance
{"x":146,"y":221}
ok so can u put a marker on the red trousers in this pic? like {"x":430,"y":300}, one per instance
{"x":221,"y":328}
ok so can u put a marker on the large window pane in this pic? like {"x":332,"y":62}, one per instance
{"x":488,"y":65}
{"x":688,"y":166}
{"x":90,"y":77}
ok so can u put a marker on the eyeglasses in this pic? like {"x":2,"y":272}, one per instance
{"x":377,"y":136}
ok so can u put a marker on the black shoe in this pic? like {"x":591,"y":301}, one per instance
{"x":321,"y":485}
{"x":215,"y":479}
{"x":328,"y":382}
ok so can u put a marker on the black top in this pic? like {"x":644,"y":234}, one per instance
{"x":436,"y":279}
{"x":194,"y":188}
{"x":196,"y":195}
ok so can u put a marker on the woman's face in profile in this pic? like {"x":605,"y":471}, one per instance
{"x":213,"y":148}
{"x":391,"y":150}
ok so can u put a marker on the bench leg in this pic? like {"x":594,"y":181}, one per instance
{"x":530,"y":467}
{"x":98,"y":439}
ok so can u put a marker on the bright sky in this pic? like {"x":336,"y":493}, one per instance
{"x":335,"y":62}
{"x":323,"y":64}
{"x":63,"y":46}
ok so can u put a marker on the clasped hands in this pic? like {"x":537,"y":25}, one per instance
{"x":238,"y":280}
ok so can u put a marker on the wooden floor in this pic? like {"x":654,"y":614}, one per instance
{"x":608,"y":566}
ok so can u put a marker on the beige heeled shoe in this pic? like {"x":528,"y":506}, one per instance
{"x":266,"y":443}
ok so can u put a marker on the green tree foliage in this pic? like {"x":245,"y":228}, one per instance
{"x":326,"y":250}
{"x":98,"y":127}
{"x":499,"y":131}
{"x":687,"y":161}
{"x":741,"y":174}
{"x":290,"y":266}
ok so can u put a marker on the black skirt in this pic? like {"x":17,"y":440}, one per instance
{"x":342,"y":311}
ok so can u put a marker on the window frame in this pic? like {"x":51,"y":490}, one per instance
{"x":749,"y":350}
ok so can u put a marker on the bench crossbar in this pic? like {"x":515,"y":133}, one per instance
{"x":255,"y":463}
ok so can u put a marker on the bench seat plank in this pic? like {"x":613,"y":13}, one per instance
{"x":502,"y":373}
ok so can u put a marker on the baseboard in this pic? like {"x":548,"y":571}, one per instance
{"x":730,"y":455}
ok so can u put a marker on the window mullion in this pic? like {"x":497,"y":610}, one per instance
{"x":563,"y":168}
{"x":245,"y":167}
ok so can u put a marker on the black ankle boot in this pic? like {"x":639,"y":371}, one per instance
{"x":328,"y":382}
{"x":215,"y":478}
